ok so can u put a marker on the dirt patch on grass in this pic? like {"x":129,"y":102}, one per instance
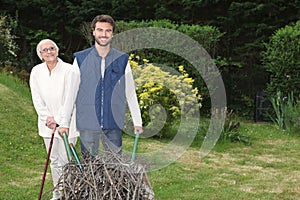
{"x":268,"y":171}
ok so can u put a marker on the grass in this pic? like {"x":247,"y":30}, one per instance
{"x":268,"y":169}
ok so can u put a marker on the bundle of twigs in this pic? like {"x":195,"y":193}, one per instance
{"x":105,"y":176}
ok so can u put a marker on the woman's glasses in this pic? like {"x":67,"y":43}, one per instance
{"x":51,"y":49}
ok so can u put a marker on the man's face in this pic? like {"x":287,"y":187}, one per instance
{"x":103,"y":33}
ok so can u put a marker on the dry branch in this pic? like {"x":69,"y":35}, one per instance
{"x":105,"y":177}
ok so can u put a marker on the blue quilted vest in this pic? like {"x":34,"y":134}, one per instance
{"x":101,"y":102}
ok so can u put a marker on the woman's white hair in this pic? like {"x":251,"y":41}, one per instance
{"x":38,"y":47}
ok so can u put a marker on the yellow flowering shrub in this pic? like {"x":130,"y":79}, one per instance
{"x":159,"y":89}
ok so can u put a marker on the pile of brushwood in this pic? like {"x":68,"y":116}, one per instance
{"x":105,"y":176}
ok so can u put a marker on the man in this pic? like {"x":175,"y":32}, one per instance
{"x":106,"y":85}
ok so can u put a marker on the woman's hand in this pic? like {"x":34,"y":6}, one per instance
{"x":51,"y":123}
{"x":62,"y":130}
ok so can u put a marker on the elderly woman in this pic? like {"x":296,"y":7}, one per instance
{"x":54,"y":85}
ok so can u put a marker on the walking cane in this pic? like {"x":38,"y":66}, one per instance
{"x":47,"y":161}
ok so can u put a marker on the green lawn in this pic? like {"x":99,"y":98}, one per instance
{"x":268,"y":169}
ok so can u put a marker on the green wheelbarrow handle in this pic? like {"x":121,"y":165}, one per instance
{"x":71,"y":150}
{"x":137,"y":135}
{"x":76,"y":156}
{"x":66,"y":141}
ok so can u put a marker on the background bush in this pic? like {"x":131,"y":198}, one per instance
{"x":164,"y":96}
{"x":282,"y":60}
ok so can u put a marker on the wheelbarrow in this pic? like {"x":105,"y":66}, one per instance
{"x":106,"y":176}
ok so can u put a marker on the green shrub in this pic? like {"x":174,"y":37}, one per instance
{"x":282,"y":60}
{"x":207,"y":36}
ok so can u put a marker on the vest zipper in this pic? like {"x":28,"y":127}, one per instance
{"x":102,"y":101}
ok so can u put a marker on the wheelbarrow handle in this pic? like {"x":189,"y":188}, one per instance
{"x":137,"y":135}
{"x":76,"y":156}
{"x":66,"y":141}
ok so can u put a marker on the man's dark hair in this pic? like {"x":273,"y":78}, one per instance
{"x":103,"y":18}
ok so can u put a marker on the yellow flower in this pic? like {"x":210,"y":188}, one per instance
{"x":180,"y":68}
{"x":145,"y":60}
{"x":148,"y":84}
{"x":195,"y":90}
{"x":133,"y":64}
{"x":131,"y":56}
{"x":185,"y":75}
{"x":154,"y":89}
{"x":144,"y":95}
{"x":189,"y":80}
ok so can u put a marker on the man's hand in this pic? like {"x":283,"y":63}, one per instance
{"x":138,"y":129}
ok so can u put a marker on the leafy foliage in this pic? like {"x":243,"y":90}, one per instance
{"x":282,"y":60}
{"x":245,"y":26}
{"x":231,"y":130}
{"x":163,"y":95}
{"x":8,"y":46}
{"x":206,"y":35}
{"x":286,"y":111}
{"x":248,"y":24}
